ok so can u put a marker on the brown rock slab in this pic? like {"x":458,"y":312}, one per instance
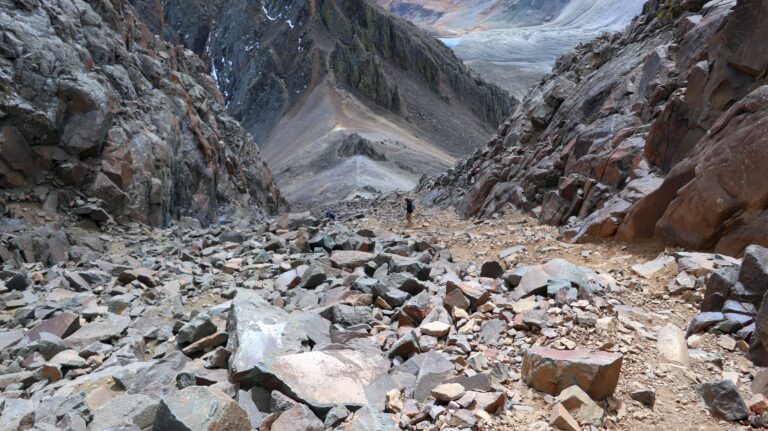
{"x":61,"y":325}
{"x":562,"y":420}
{"x":671,"y":343}
{"x":551,"y":371}
{"x":349,"y":259}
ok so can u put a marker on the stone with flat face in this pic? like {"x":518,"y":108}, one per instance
{"x":723,"y":400}
{"x":260,"y":333}
{"x":200,"y":408}
{"x":670,"y":342}
{"x":349,"y":259}
{"x":323,"y":379}
{"x":99,"y":330}
{"x":137,"y":409}
{"x":533,"y":282}
{"x":551,"y":371}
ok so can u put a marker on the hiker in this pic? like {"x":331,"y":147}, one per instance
{"x":330,"y":215}
{"x":409,"y":207}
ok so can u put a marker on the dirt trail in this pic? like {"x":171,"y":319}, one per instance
{"x":677,"y":406}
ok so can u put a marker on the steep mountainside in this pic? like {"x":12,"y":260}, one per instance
{"x":92,"y":105}
{"x":514,"y":43}
{"x":656,"y":132}
{"x":304,"y":76}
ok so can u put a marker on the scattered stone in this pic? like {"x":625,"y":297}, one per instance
{"x":581,"y":406}
{"x":435,"y":329}
{"x":448,"y":392}
{"x":671,"y":343}
{"x":653,"y":267}
{"x":645,"y":396}
{"x":562,"y":420}
{"x":491,"y":269}
{"x":723,"y":400}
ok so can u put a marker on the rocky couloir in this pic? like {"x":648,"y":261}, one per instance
{"x":656,"y":132}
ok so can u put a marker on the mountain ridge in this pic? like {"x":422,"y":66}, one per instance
{"x":362,"y":71}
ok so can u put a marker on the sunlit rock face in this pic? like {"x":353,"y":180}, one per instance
{"x":513,"y":43}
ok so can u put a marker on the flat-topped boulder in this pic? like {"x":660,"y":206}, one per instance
{"x":200,"y":408}
{"x":551,"y":371}
{"x":350,"y":259}
{"x":323,"y":379}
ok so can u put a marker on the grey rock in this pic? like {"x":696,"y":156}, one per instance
{"x":754,"y":271}
{"x":138,"y":410}
{"x":702,"y":321}
{"x":723,"y":400}
{"x":200,"y":326}
{"x":298,"y":417}
{"x":197,"y":408}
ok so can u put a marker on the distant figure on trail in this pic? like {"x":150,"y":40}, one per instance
{"x":409,"y":208}
{"x":330,"y":215}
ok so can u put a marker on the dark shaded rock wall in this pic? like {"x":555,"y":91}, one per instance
{"x":91,"y":102}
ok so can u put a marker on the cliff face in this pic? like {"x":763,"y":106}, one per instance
{"x":656,"y":132}
{"x":302,"y":76}
{"x":93,"y":104}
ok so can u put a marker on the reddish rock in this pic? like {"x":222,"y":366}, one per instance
{"x":61,"y":325}
{"x":350,"y":259}
{"x":561,"y":419}
{"x":551,"y":371}
{"x":299,"y":417}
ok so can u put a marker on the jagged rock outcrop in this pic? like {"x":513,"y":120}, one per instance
{"x":92,"y":104}
{"x":656,"y":132}
{"x":303,"y":75}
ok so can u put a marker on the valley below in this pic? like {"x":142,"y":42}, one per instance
{"x":514,"y":45}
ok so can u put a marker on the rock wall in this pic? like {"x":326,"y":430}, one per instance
{"x":656,"y":132}
{"x":93,"y":104}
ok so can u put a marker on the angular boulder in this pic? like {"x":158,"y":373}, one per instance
{"x":138,"y":410}
{"x":551,"y":371}
{"x":723,"y":400}
{"x":323,"y":379}
{"x":349,"y":259}
{"x":753,"y":274}
{"x":200,"y":408}
{"x":670,"y":342}
{"x":259,"y":333}
{"x":758,"y":350}
{"x":61,"y":325}
{"x":99,"y":330}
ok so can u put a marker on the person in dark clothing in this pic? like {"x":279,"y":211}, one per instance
{"x":330,"y":215}
{"x":409,"y":208}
